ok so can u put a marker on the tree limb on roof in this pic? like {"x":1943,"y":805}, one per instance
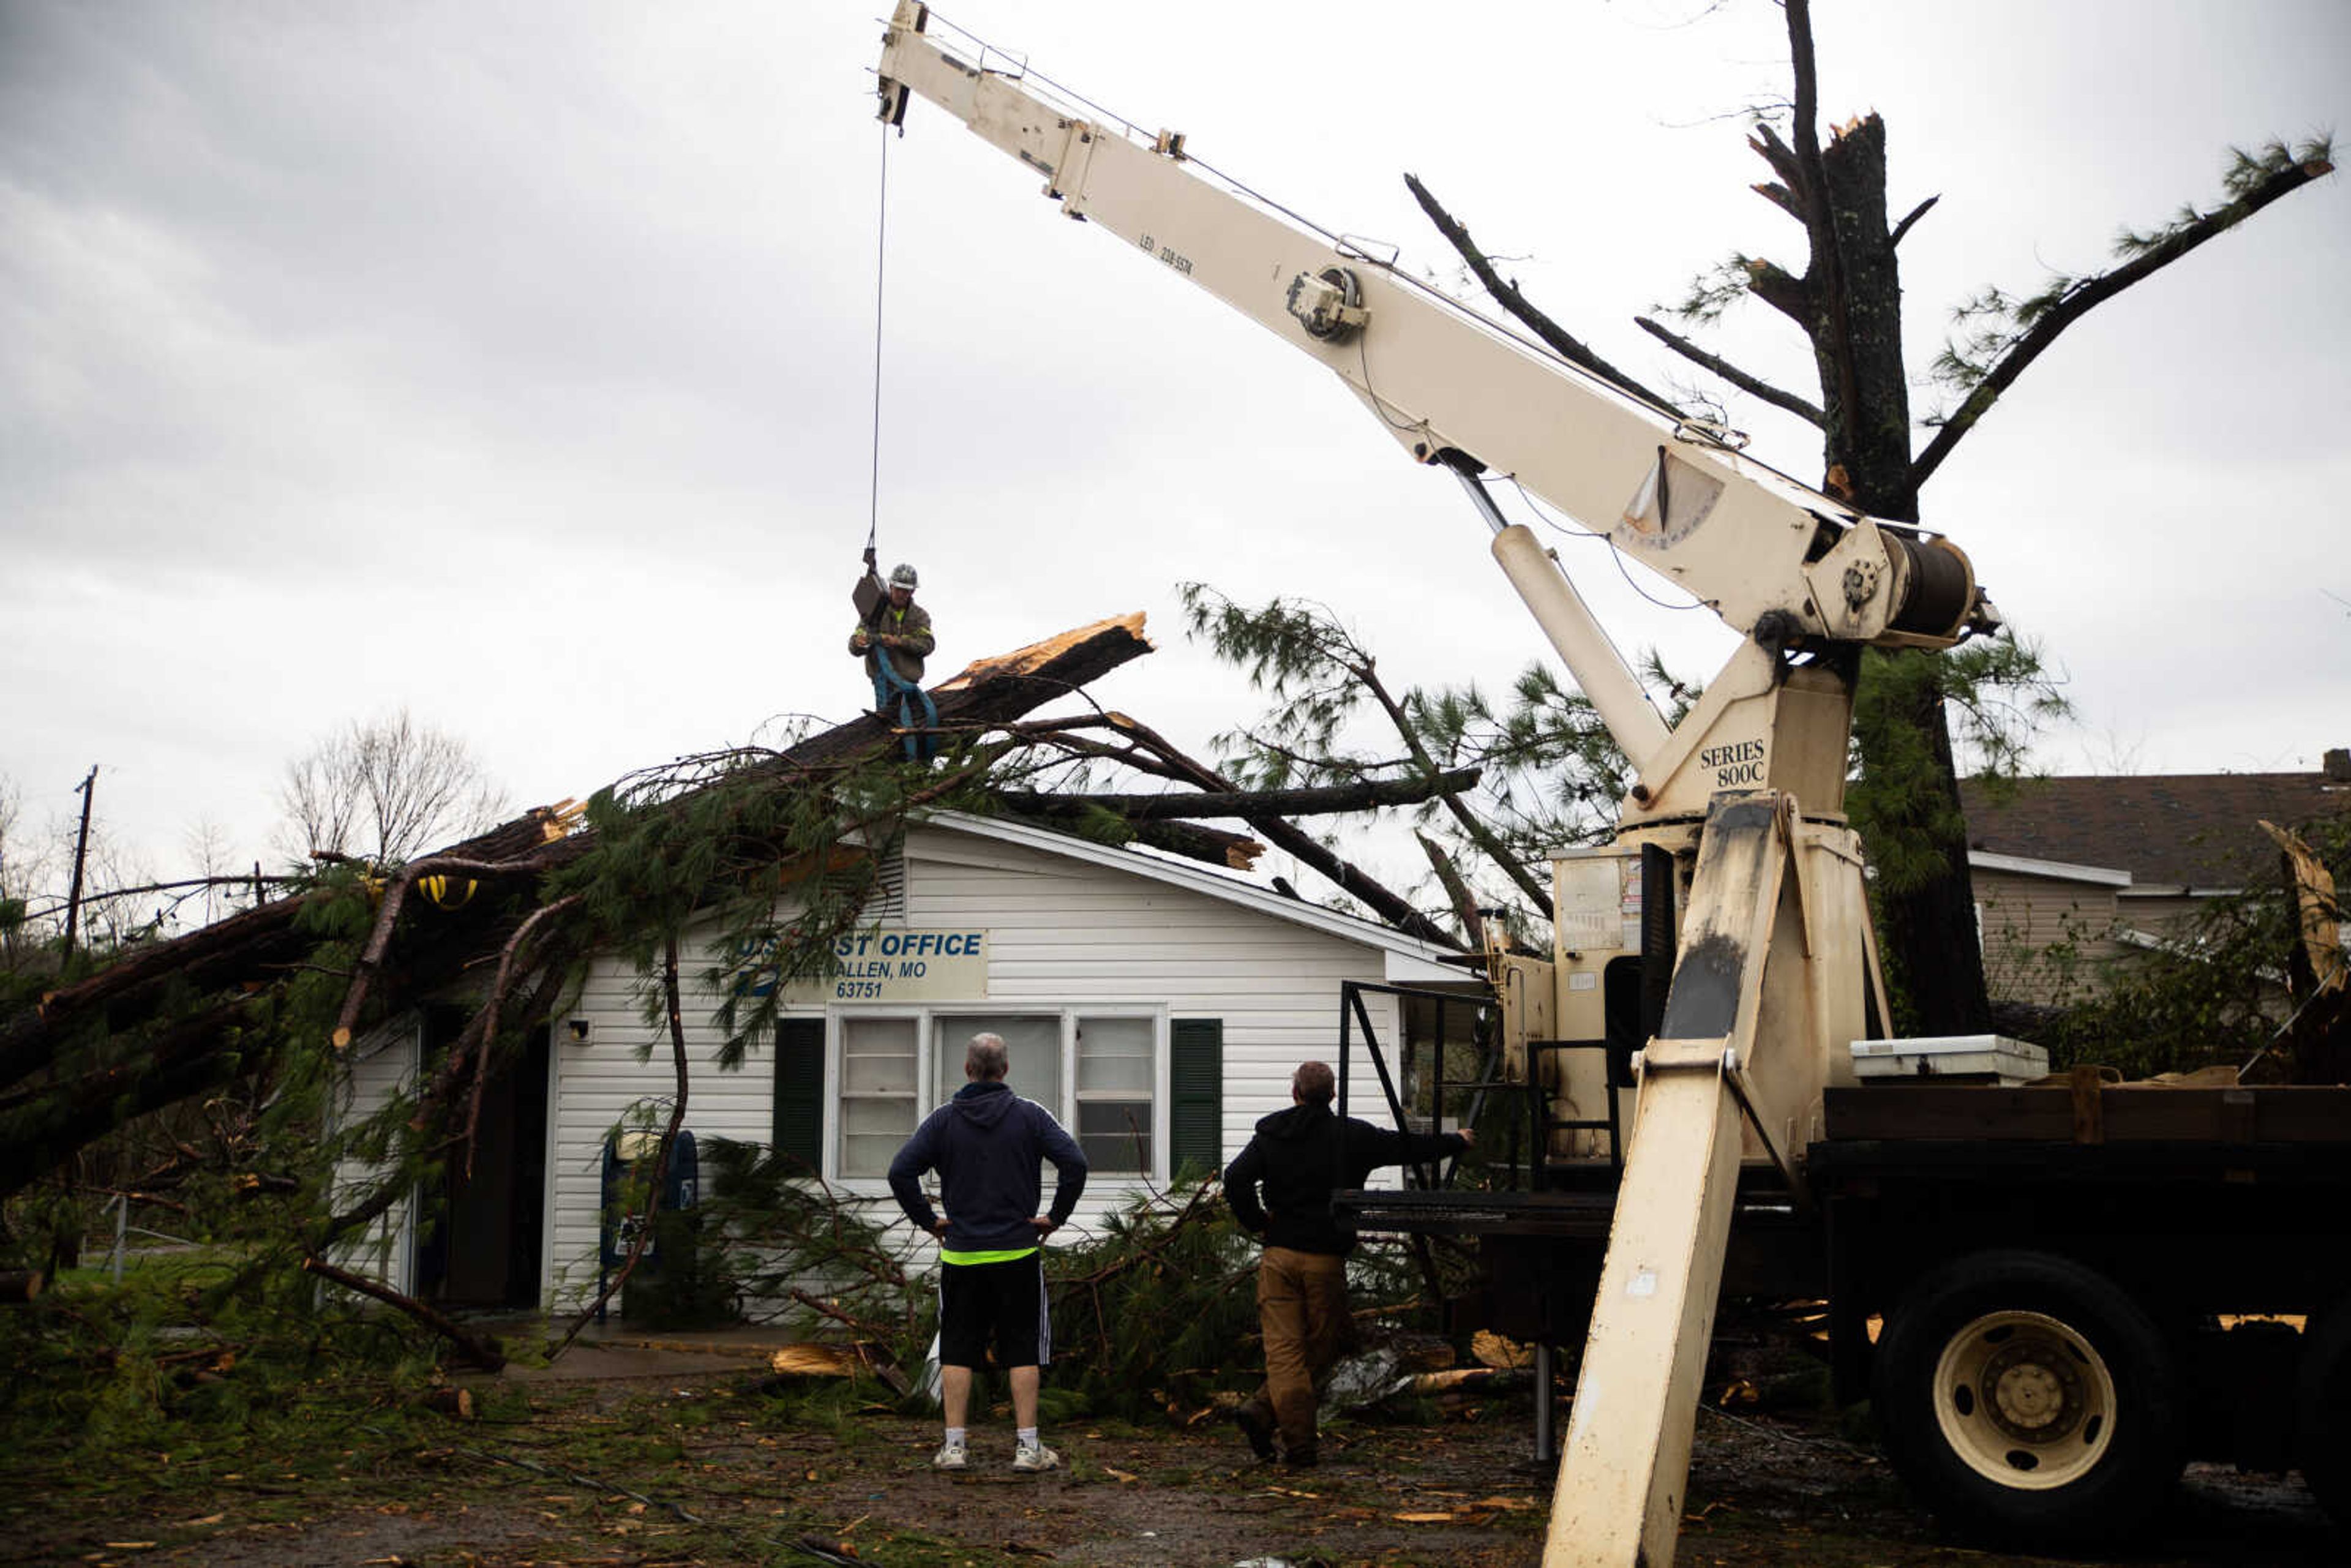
{"x":1251,"y":803}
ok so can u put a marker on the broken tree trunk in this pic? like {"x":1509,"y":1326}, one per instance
{"x":1249,"y":804}
{"x":1209,"y":846}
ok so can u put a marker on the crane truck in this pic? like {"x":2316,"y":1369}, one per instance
{"x":2054,"y":1295}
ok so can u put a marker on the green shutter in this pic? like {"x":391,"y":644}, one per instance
{"x":1196,"y":1078}
{"x":800,"y":1090}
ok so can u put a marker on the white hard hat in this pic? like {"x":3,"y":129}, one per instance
{"x":903,"y":576}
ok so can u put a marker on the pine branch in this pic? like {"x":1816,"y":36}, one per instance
{"x":1128,"y":755}
{"x":1348,"y":877}
{"x":482,"y":1353}
{"x":1465,"y":907}
{"x":395,"y":897}
{"x":1477,"y":831}
{"x":2088,"y":293}
{"x":1507,"y":294}
{"x":1791,"y":296}
{"x":1903,"y":227}
{"x":1347,"y":768}
{"x":1732,"y":373}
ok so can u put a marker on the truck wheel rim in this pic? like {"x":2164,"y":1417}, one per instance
{"x":2024,"y":1401}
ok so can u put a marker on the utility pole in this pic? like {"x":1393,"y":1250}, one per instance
{"x":88,"y":790}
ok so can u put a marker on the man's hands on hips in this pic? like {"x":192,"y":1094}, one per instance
{"x":1045,"y":1226}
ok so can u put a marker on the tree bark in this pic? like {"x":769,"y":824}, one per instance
{"x":1931,"y":938}
{"x":1853,"y":292}
{"x":1322,"y":800}
{"x":484,"y":1354}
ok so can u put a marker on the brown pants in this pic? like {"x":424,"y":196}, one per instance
{"x":1301,"y":1310}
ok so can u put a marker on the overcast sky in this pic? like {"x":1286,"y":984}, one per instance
{"x":514,"y":362}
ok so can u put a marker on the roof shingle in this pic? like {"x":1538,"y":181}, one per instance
{"x":2179,"y":829}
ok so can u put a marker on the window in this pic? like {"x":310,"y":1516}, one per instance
{"x":1031,"y":1040}
{"x":1098,"y":1070}
{"x":1116,"y":1073}
{"x":877,"y":1093}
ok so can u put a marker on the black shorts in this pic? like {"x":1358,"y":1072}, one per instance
{"x":1003,"y":1300}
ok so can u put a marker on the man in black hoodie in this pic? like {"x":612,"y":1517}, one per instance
{"x":986,"y":1144}
{"x":1299,"y":1157}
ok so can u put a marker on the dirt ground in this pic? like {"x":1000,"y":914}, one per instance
{"x":706,"y":1460}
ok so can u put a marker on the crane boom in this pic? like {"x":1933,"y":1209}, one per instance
{"x":1454,"y":388}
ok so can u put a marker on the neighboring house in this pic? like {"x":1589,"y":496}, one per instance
{"x":2074,"y":873}
{"x":1155,"y":1006}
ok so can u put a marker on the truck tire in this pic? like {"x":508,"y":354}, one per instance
{"x":2028,"y":1400}
{"x":2322,"y":1411}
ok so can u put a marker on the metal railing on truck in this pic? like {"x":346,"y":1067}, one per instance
{"x":1530,"y":1102}
{"x":1530,"y":1203}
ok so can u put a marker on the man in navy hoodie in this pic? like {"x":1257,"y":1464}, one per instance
{"x":986,"y":1144}
{"x":1298,"y":1156}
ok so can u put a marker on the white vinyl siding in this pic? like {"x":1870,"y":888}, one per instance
{"x":626,"y":1064}
{"x":1065,"y":934}
{"x":381,"y":1066}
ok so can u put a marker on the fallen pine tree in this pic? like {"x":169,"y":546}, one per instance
{"x":775,"y":852}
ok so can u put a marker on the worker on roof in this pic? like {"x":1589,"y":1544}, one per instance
{"x":893,"y":632}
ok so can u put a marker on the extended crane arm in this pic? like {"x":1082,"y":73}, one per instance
{"x":1454,"y":388}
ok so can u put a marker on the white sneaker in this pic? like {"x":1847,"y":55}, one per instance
{"x":1035,"y":1457}
{"x":951,"y":1456}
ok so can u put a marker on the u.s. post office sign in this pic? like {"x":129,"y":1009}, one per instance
{"x":895,"y":966}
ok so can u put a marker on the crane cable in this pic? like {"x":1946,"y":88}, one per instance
{"x":881,"y":256}
{"x":922,"y":742}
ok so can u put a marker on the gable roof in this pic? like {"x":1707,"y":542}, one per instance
{"x":1406,"y":955}
{"x":2168,"y":830}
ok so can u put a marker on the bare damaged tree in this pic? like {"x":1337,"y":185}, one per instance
{"x":1846,"y":299}
{"x":383,"y":789}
